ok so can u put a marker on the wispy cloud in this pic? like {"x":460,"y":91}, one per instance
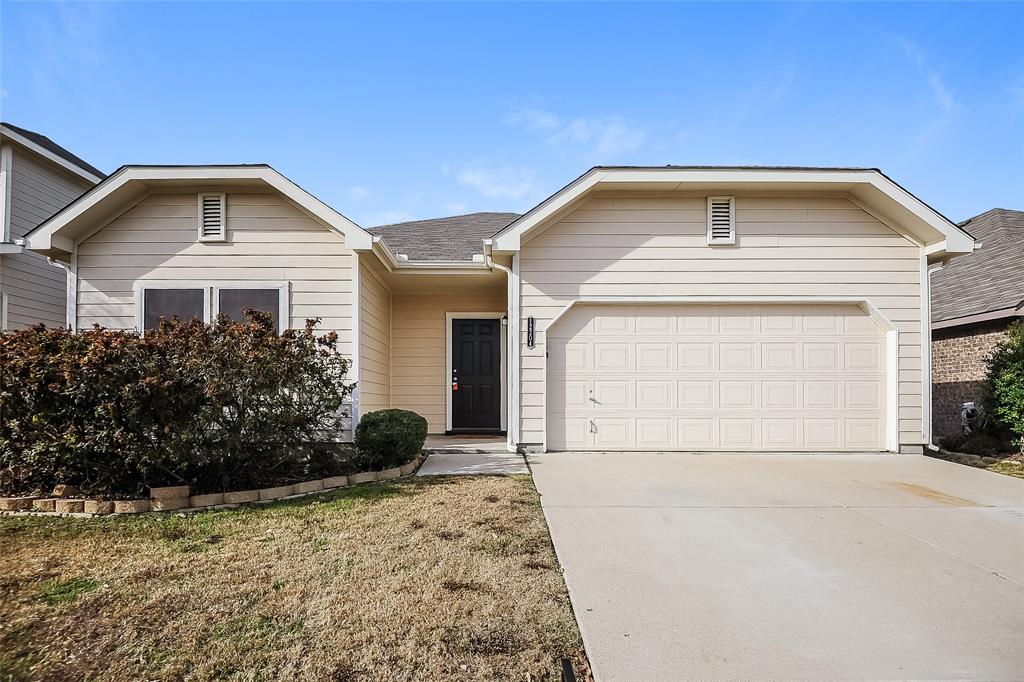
{"x":940,"y":91}
{"x":498,"y":182}
{"x":455,"y":207}
{"x":601,"y":137}
{"x":386,"y":218}
{"x":357,"y":193}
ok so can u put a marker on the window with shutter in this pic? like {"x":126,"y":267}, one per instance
{"x":212,"y":219}
{"x":721,"y":220}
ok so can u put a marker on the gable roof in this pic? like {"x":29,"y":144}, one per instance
{"x":454,"y":238}
{"x":989,"y":280}
{"x":869,"y":188}
{"x":56,"y":236}
{"x":48,"y":148}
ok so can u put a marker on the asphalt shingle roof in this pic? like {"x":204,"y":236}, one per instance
{"x":455,"y":238}
{"x":48,"y":144}
{"x":991,"y":278}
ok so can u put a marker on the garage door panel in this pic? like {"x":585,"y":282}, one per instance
{"x":737,"y":357}
{"x":653,"y":394}
{"x":737,"y":394}
{"x":696,"y":433}
{"x":695,"y":356}
{"x":654,"y":433}
{"x":780,"y":432}
{"x":719,"y":377}
{"x":696,"y":393}
{"x":611,"y":356}
{"x":736,"y":433}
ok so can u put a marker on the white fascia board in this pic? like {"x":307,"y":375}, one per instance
{"x":355,"y":237}
{"x":954,"y":239}
{"x":50,"y":156}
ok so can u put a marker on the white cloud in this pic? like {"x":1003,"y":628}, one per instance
{"x":597,"y":136}
{"x":536,"y":119}
{"x":508,"y":182}
{"x":357,"y":193}
{"x":386,"y":218}
{"x":940,"y":91}
{"x":455,"y":208}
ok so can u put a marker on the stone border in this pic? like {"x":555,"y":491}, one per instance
{"x":977,"y":461}
{"x":177,"y":498}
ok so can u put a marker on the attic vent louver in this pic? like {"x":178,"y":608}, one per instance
{"x":721,"y":220}
{"x":212,"y":218}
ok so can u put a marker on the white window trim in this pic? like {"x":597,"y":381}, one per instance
{"x":3,"y":311}
{"x":211,"y":298}
{"x":223,"y":236}
{"x":503,"y":334}
{"x":140,"y":297}
{"x":731,"y":240}
{"x":283,"y":299}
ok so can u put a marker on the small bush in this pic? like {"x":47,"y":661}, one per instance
{"x":1005,"y":383}
{"x":389,"y":438}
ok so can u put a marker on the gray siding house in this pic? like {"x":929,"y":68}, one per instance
{"x":37,"y":179}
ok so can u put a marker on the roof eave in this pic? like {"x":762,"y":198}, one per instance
{"x":870,"y":186}
{"x":56,"y":236}
{"x":67,"y":165}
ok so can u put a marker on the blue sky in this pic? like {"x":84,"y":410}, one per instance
{"x":391,"y":112}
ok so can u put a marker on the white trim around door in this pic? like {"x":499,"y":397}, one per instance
{"x":448,"y":318}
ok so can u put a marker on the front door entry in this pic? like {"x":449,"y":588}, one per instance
{"x":476,"y":375}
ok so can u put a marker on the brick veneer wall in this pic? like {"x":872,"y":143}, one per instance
{"x":959,"y":356}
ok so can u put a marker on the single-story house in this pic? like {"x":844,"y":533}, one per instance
{"x":38,"y":177}
{"x":974,"y":299}
{"x":637,"y":308}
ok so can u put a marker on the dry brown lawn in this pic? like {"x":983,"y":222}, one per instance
{"x":427,"y":579}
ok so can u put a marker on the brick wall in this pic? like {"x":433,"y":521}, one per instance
{"x":959,"y":356}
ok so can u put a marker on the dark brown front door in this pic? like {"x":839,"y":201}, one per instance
{"x":476,"y":375}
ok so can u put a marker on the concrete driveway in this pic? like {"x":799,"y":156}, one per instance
{"x":789,"y":566}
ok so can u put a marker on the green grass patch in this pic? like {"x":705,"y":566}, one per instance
{"x":55,"y":592}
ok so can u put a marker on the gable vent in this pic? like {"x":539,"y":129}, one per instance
{"x":721,"y":220}
{"x":211,"y":218}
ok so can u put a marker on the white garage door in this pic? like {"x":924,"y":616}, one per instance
{"x":702,"y":377}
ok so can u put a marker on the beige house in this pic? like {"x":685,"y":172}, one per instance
{"x":673,"y":308}
{"x":37,"y":178}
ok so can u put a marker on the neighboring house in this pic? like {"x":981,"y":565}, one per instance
{"x":671,"y":308}
{"x":974,"y":299}
{"x":37,"y":178}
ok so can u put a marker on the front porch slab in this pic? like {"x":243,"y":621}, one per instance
{"x":470,"y":455}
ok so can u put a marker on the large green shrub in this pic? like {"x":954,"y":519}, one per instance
{"x":1005,"y":400}
{"x":389,"y":438}
{"x":218,"y":406}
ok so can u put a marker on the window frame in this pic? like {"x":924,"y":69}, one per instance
{"x":283,"y":298}
{"x":140,"y":297}
{"x":211,"y":297}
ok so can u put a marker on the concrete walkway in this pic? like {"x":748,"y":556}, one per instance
{"x":848,"y":567}
{"x":470,"y":455}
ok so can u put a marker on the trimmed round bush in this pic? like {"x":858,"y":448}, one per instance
{"x":389,"y":438}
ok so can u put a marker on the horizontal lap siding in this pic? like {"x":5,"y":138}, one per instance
{"x":374,"y":340}
{"x":418,"y":380}
{"x":269,"y":240}
{"x":36,"y":290}
{"x":619,"y":244}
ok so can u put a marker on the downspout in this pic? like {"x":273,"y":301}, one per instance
{"x":926,"y":342}
{"x":512,"y":309}
{"x":70,"y":292}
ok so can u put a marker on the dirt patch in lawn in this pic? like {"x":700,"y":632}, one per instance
{"x":440,"y":578}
